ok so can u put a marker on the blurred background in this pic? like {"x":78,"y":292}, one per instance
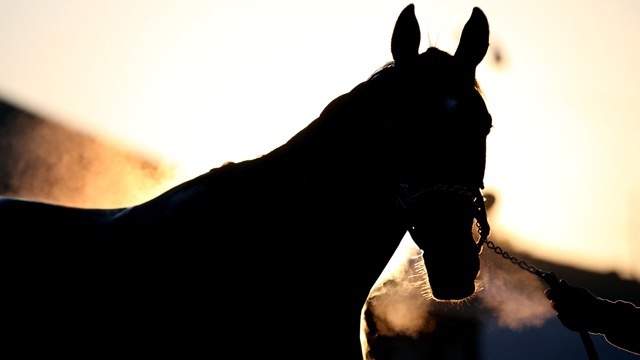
{"x":108,"y":103}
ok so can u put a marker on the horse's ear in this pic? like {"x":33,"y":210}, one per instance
{"x":406,"y":36}
{"x":474,"y":41}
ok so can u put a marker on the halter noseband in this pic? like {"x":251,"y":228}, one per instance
{"x":407,"y":199}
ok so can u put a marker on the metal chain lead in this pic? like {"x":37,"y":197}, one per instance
{"x":514,"y":260}
{"x":484,"y":239}
{"x":549,"y":278}
{"x":481,"y":219}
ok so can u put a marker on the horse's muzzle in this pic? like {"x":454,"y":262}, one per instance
{"x":442,"y":226}
{"x":455,"y":281}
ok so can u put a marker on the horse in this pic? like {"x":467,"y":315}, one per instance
{"x":274,"y":256}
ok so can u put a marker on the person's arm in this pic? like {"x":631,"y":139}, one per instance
{"x":579,"y":310}
{"x":620,"y":327}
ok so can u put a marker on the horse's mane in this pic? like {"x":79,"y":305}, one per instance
{"x":389,"y":67}
{"x":382,"y":70}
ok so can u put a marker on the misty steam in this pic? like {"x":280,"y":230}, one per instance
{"x":514,"y":296}
{"x":400,"y":304}
{"x":42,"y":160}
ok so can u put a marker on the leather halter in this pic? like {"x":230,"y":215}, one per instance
{"x":408,"y":199}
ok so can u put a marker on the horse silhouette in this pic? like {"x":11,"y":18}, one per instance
{"x":271,"y":257}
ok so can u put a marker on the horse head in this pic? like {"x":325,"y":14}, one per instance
{"x":438,"y":123}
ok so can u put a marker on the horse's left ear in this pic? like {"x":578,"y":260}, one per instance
{"x":406,"y":36}
{"x":474,"y":41}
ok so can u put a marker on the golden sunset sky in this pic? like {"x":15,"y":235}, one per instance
{"x":198,"y":83}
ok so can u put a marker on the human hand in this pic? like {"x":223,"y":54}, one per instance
{"x":577,"y":308}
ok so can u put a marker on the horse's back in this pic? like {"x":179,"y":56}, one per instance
{"x":18,"y":212}
{"x":85,"y":279}
{"x":73,"y":287}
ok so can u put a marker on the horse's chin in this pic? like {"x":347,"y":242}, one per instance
{"x":451,"y":284}
{"x":452,"y":293}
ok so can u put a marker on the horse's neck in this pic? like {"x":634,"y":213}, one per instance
{"x":331,"y":159}
{"x":344,"y":144}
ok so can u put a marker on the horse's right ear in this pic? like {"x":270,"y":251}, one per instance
{"x":406,"y":36}
{"x":474,"y":41}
